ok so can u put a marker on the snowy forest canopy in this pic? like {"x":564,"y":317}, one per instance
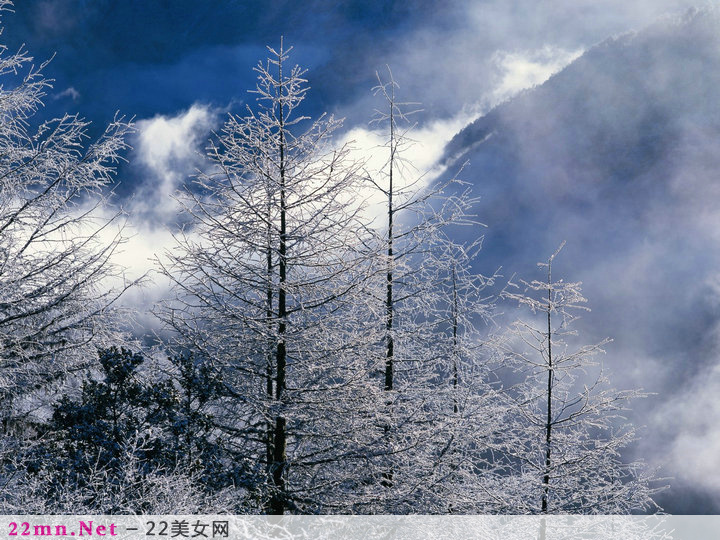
{"x":329,"y":347}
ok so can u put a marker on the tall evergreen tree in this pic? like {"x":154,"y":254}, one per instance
{"x":268,"y":278}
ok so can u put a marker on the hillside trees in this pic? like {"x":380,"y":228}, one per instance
{"x":568,"y":433}
{"x":269,"y":282}
{"x":88,"y":437}
{"x":58,"y":283}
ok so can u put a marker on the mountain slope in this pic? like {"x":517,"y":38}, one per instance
{"x":619,"y":154}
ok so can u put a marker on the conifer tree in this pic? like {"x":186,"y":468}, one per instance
{"x":268,"y":280}
{"x":569,"y":432}
{"x":433,"y":302}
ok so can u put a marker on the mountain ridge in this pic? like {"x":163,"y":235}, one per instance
{"x":676,"y":27}
{"x":618,"y":154}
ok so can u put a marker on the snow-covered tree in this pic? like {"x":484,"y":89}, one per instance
{"x":434,"y":383}
{"x":568,"y":433}
{"x":133,"y":485}
{"x":58,"y":283}
{"x":268,"y":278}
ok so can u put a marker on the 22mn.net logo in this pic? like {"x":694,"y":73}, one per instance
{"x":85,"y":528}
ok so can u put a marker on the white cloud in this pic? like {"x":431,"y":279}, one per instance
{"x":70,"y":92}
{"x":419,"y":159}
{"x":169,"y":148}
{"x":134,"y":259}
{"x":524,"y":69}
{"x":168,"y":151}
{"x":696,"y":448}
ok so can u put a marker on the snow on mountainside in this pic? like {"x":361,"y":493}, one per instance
{"x":619,"y":154}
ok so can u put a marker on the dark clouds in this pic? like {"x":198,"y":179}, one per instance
{"x":144,"y":57}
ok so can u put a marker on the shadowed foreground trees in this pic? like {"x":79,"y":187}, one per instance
{"x":135,"y":440}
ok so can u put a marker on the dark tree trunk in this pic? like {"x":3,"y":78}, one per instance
{"x":277,"y":502}
{"x":387,"y":480}
{"x":548,"y":423}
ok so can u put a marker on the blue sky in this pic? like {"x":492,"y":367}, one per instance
{"x":159,"y":57}
{"x":151,"y":58}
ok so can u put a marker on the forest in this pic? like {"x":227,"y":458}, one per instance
{"x":327,"y":343}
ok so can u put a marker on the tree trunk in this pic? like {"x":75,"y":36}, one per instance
{"x":455,"y":379}
{"x":277,"y":503}
{"x":389,"y":307}
{"x":548,"y":423}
